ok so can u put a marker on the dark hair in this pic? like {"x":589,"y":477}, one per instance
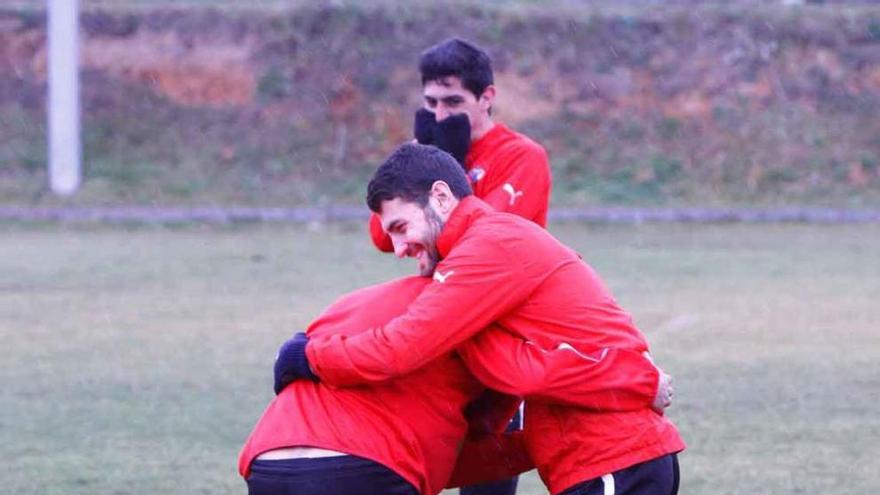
{"x":456,"y":57}
{"x":410,"y":172}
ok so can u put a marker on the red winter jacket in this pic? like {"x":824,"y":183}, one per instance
{"x":508,"y":171}
{"x":395,"y":423}
{"x":416,"y":424}
{"x":499,"y":268}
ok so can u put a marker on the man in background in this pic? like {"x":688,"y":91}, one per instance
{"x":506,"y":169}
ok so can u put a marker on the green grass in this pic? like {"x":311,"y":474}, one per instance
{"x":137,"y":360}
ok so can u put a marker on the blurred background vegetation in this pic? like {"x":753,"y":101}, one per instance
{"x":675,"y":103}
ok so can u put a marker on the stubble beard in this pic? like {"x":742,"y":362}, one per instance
{"x":435,"y":226}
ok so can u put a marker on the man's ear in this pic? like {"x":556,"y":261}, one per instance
{"x":487,"y":99}
{"x":443,"y":199}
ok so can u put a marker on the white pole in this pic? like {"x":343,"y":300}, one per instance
{"x":64,"y":114}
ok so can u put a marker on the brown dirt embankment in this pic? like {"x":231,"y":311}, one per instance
{"x":674,"y":106}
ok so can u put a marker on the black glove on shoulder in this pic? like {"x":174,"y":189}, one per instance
{"x":292,"y":363}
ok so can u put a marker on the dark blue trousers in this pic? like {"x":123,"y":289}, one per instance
{"x":342,"y":475}
{"x":658,"y":476}
{"x":503,"y":487}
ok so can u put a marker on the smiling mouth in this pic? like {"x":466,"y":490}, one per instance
{"x":418,"y":252}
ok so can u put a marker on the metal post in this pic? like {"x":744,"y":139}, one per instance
{"x":65,"y":148}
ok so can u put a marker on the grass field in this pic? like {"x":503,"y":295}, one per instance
{"x":137,"y":360}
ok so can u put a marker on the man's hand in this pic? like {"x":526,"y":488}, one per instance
{"x":292,"y":363}
{"x":452,"y":134}
{"x":424,"y":126}
{"x":665,"y":391}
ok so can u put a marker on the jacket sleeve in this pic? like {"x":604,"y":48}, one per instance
{"x":380,"y":238}
{"x":473,"y":286}
{"x":606,"y":379}
{"x":522,"y":185}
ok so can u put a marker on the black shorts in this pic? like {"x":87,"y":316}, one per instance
{"x":658,"y":476}
{"x":341,"y":475}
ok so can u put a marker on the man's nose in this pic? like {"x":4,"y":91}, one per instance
{"x":400,"y":248}
{"x":440,"y":113}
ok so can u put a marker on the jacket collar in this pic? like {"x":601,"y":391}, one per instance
{"x":468,"y":210}
{"x":487,"y":141}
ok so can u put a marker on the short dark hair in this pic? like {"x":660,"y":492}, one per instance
{"x":456,"y":57}
{"x":410,"y":172}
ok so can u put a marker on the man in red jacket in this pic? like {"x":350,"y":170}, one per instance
{"x":495,"y":268}
{"x":404,"y":435}
{"x":506,"y":169}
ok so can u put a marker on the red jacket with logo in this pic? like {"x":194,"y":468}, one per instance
{"x":415,"y":424}
{"x":508,"y":171}
{"x":499,"y":268}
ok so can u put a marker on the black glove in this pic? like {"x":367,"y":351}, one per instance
{"x":292,"y":363}
{"x":453,"y":135}
{"x":425,"y":123}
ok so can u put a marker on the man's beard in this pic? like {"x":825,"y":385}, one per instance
{"x":435,"y":226}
